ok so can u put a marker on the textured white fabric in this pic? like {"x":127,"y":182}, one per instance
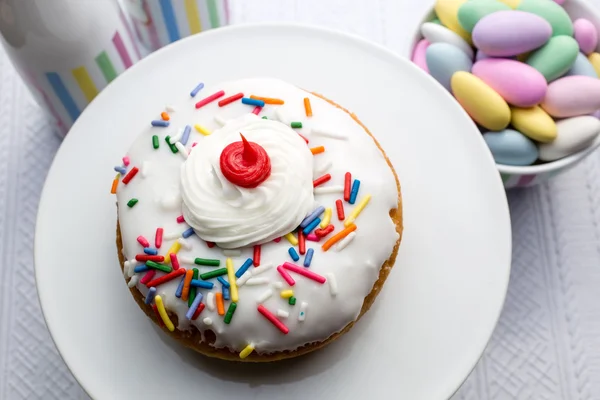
{"x":546,"y":346}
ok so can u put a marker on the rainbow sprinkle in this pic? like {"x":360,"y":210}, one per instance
{"x":247,"y":264}
{"x":354,"y":191}
{"x":160,"y":123}
{"x":308,"y":257}
{"x":163,"y":313}
{"x":247,"y":351}
{"x":253,"y":102}
{"x":201,"y":129}
{"x":223,"y":281}
{"x":192,"y":310}
{"x":186,"y":134}
{"x":291,"y":238}
{"x":207,"y":262}
{"x":326,"y":218}
{"x":292,"y":252}
{"x":195,"y":282}
{"x":179,"y":288}
{"x":357,"y":210}
{"x":213,"y":274}
{"x":273,"y":319}
{"x":232,"y":282}
{"x":155,"y":142}
{"x":198,"y":88}
{"x":286,"y":294}
{"x":230,"y":312}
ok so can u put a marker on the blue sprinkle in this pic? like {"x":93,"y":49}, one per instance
{"x":308,"y":257}
{"x":312,"y":216}
{"x":312,"y":226}
{"x":141,"y":268}
{"x":190,"y":313}
{"x":223,"y":281}
{"x":150,"y":251}
{"x":293,"y":254}
{"x":186,"y":135}
{"x":121,"y":170}
{"x":253,"y":102}
{"x":180,"y":287}
{"x":161,"y":123}
{"x":243,"y":268}
{"x":202,"y":284}
{"x":150,"y":295}
{"x":225,"y":293}
{"x":187,"y":233}
{"x":354,"y":191}
{"x":198,"y":88}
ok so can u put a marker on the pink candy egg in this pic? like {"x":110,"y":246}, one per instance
{"x":586,"y":35}
{"x":572,"y":96}
{"x":517,"y":83}
{"x":418,"y":56}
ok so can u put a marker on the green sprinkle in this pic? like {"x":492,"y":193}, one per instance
{"x":292,"y":301}
{"x":132,"y":202}
{"x":213,"y":274}
{"x":229,"y":313}
{"x":155,"y":142}
{"x":265,"y":117}
{"x":192,"y":293}
{"x":207,"y":262}
{"x":296,"y":125}
{"x":171,"y":146}
{"x":160,"y":267}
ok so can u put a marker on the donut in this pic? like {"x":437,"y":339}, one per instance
{"x":257,"y":221}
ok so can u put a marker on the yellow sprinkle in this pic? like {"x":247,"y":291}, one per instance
{"x":174,"y":249}
{"x":286,"y":294}
{"x":326,"y":218}
{"x":291,"y":238}
{"x":357,"y":210}
{"x":247,"y":350}
{"x":202,"y":129}
{"x":233,"y":290}
{"x":163,"y":313}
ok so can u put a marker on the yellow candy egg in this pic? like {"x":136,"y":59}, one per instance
{"x":480,"y":101}
{"x":511,"y":3}
{"x":447,"y":12}
{"x":534,"y":123}
{"x":595,"y":60}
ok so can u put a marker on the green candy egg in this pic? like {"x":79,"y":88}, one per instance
{"x":552,"y":12}
{"x":555,"y":58}
{"x":472,"y":11}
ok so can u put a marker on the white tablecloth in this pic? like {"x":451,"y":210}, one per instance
{"x":546,"y":345}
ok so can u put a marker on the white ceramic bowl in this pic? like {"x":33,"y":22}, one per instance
{"x":517,"y":176}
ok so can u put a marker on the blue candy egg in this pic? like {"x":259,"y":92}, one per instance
{"x":582,"y":66}
{"x":510,"y":147}
{"x":444,"y":60}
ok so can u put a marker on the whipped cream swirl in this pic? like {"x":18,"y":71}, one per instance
{"x":233,"y":216}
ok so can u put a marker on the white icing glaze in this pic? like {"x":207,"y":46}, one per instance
{"x":350,"y":273}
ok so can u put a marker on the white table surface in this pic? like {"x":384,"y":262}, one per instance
{"x":546,"y":345}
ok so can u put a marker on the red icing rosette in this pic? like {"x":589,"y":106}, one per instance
{"x":245,"y":164}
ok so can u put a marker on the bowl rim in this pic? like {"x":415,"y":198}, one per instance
{"x":548,"y":167}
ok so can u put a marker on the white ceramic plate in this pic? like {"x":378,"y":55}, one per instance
{"x":439,"y":306}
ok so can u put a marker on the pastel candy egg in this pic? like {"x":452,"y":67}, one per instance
{"x":418,"y":56}
{"x":510,"y":147}
{"x":444,"y":60}
{"x":572,"y":96}
{"x":509,"y":33}
{"x":555,"y":58}
{"x":447,"y":12}
{"x":594,"y":59}
{"x":472,"y":11}
{"x":534,"y":123}
{"x":582,"y":66}
{"x":586,"y":35}
{"x":480,"y":101}
{"x":437,"y":33}
{"x":551,"y":12}
{"x":574,"y":134}
{"x":517,"y":83}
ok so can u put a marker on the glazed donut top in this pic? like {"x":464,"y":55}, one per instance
{"x":263,"y":219}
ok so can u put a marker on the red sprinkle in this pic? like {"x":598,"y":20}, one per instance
{"x":245,"y":164}
{"x":130,"y":175}
{"x":321,"y":180}
{"x":165,"y":278}
{"x":230,"y":99}
{"x":303,"y":137}
{"x":158,"y":237}
{"x":277,"y":240}
{"x":174,"y":261}
{"x":148,"y":257}
{"x":148,"y":277}
{"x":210,"y":99}
{"x":301,"y":242}
{"x":347,"y":184}
{"x":286,"y":276}
{"x":143,"y":241}
{"x":257,"y":110}
{"x":126,"y":161}
{"x":194,"y":144}
{"x":340,"y":209}
{"x":324,"y":232}
{"x":198,"y":311}
{"x":158,"y":317}
{"x":180,"y":219}
{"x":273,"y":319}
{"x":210,"y":245}
{"x":256,"y":258}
